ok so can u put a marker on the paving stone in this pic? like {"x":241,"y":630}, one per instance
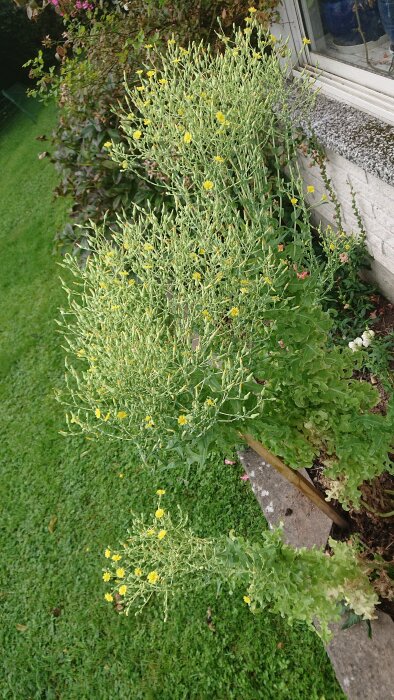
{"x":364,"y":667}
{"x":304,"y":524}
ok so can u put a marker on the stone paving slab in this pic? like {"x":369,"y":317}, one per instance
{"x":364,"y":667}
{"x":304,"y":524}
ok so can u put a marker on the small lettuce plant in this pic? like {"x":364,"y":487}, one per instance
{"x":194,"y":325}
{"x":162,"y":558}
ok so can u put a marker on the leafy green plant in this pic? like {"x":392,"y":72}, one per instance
{"x":192,"y":326}
{"x":101,"y":46}
{"x":163,"y":558}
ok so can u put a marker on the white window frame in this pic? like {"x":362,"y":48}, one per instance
{"x":371,"y":92}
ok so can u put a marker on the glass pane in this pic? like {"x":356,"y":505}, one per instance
{"x":360,"y":32}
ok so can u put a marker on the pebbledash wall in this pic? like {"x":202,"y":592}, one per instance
{"x":360,"y":151}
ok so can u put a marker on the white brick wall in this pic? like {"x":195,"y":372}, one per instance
{"x":375,"y":201}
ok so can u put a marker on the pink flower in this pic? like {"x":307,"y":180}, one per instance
{"x":229,"y":461}
{"x":244,"y":477}
{"x":302,"y":275}
{"x":281,"y":343}
{"x":344,"y":257}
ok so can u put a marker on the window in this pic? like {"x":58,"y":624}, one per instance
{"x":351,"y":49}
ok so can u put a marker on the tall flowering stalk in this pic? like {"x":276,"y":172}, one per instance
{"x":162,"y":558}
{"x":204,"y":321}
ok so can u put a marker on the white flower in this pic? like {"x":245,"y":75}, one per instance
{"x":367,"y":338}
{"x":355,"y":344}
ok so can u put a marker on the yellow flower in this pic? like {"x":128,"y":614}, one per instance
{"x":196,"y":276}
{"x":207,"y":315}
{"x":106,"y":417}
{"x":140,"y":88}
{"x":294,"y":200}
{"x":147,"y":122}
{"x":310,"y":189}
{"x":332,"y":246}
{"x":121,"y":475}
{"x":106,"y":576}
{"x":138,"y":571}
{"x":347,"y":246}
{"x":161,"y":534}
{"x":252,"y":10}
{"x":122,"y":590}
{"x":182,"y":420}
{"x":256,"y":55}
{"x":272,"y":38}
{"x":107,"y":553}
{"x":120,"y":573}
{"x":159,"y":513}
{"x":137,"y":135}
{"x":150,"y":73}
{"x":108,"y":144}
{"x":218,"y":159}
{"x":171,"y":42}
{"x":201,"y":251}
{"x":125,"y":165}
{"x":234,"y":312}
{"x":130,"y":116}
{"x":149,"y":46}
{"x":148,"y":247}
{"x":108,"y":597}
{"x":187,"y":137}
{"x":163,"y":81}
{"x":139,"y":71}
{"x":150,"y":532}
{"x":324,"y":198}
{"x":160,"y":492}
{"x":97,"y":413}
{"x":267,"y":280}
{"x":116,"y":557}
{"x":220,"y":117}
{"x":247,"y":600}
{"x":207,"y":185}
{"x":153,"y":576}
{"x":306,"y":41}
{"x":210,"y":402}
{"x":121,"y":415}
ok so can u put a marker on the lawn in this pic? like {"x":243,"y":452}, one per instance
{"x":65,"y":499}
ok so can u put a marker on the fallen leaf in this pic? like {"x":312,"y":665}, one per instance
{"x":21,"y":628}
{"x":52,"y":524}
{"x":43,"y":155}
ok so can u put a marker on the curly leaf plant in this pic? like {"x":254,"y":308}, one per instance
{"x":164,"y":558}
{"x":195,"y":325}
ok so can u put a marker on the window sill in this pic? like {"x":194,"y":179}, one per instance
{"x":360,"y":138}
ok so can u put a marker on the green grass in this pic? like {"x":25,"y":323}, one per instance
{"x":89,"y":651}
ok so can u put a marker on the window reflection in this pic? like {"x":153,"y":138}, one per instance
{"x":360,"y":32}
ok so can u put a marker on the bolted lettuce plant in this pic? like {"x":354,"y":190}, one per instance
{"x":163,"y":558}
{"x":195,"y":325}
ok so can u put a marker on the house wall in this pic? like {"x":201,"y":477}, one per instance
{"x":375,"y":202}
